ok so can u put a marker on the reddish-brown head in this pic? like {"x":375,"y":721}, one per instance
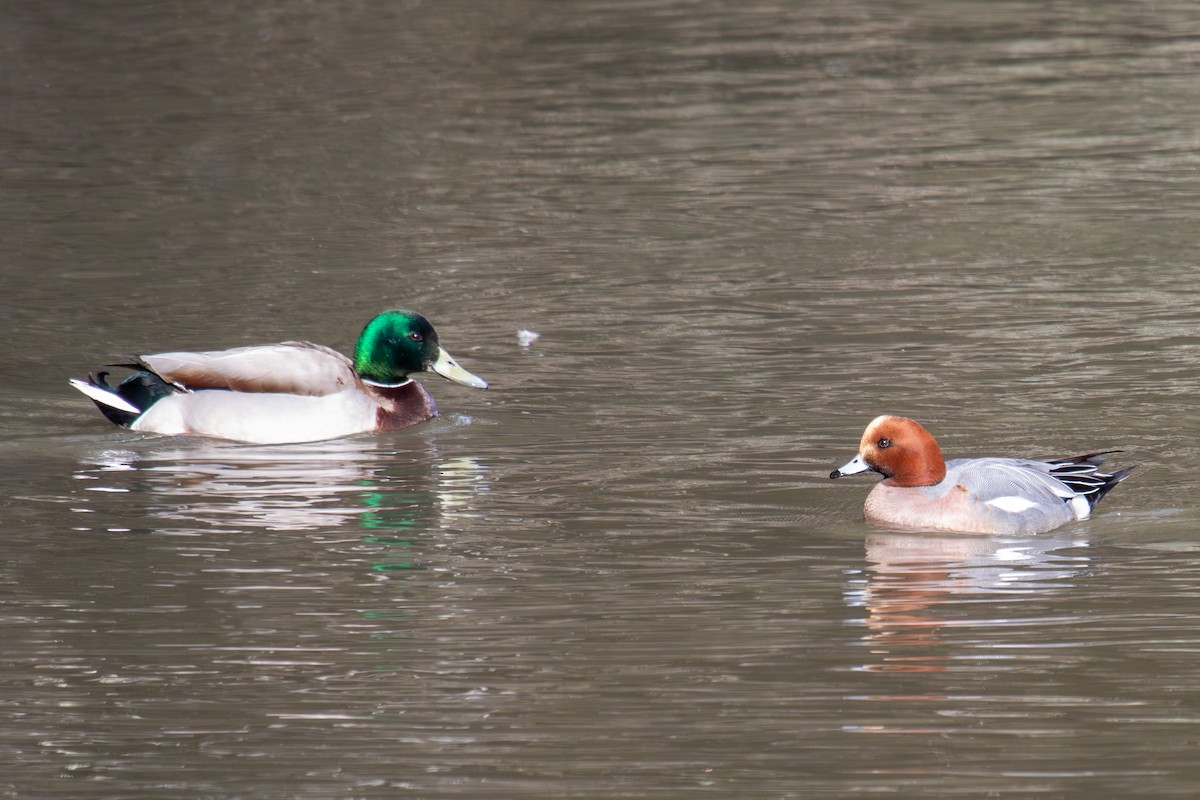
{"x":900,"y":449}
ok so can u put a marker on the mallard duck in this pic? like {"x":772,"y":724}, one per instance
{"x":286,"y":392}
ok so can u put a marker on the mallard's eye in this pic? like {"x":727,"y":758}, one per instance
{"x":884,"y":443}
{"x":416,"y":336}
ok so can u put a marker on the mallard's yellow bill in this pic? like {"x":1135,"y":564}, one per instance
{"x":448,"y":368}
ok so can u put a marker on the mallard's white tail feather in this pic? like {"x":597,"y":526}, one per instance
{"x":105,"y":397}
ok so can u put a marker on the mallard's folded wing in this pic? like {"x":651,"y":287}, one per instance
{"x":299,"y":368}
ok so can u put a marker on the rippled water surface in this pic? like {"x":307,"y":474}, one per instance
{"x":742,"y":231}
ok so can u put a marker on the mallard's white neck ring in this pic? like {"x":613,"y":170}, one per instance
{"x":378,"y":385}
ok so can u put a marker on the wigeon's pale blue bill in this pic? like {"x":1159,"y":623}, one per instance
{"x":851,"y":467}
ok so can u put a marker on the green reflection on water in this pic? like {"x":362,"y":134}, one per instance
{"x":395,"y":566}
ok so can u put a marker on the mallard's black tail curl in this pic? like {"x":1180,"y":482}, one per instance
{"x":127,"y":401}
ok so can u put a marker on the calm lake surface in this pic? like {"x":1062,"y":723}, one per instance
{"x":742,"y":231}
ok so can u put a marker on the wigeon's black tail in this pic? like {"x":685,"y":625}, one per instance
{"x":1082,"y":474}
{"x":124,"y":403}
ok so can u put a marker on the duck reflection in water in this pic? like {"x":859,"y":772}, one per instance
{"x":918,"y":587}
{"x":347,"y":482}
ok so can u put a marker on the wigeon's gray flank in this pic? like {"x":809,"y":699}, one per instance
{"x":972,"y":495}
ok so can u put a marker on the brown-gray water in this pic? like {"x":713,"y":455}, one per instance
{"x":742,"y":231}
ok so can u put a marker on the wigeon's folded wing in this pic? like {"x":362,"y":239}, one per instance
{"x":299,"y":368}
{"x":1010,"y":483}
{"x":994,"y":480}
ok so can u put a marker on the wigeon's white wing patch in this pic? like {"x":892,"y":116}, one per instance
{"x":1011,"y":504}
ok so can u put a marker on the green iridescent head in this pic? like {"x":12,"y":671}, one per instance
{"x":400,"y":342}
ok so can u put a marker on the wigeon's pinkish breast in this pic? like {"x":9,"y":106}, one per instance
{"x":922,"y":490}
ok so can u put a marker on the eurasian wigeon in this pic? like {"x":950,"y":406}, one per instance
{"x":973,"y":495}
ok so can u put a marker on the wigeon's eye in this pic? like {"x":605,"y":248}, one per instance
{"x":884,"y":443}
{"x":416,"y":336}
